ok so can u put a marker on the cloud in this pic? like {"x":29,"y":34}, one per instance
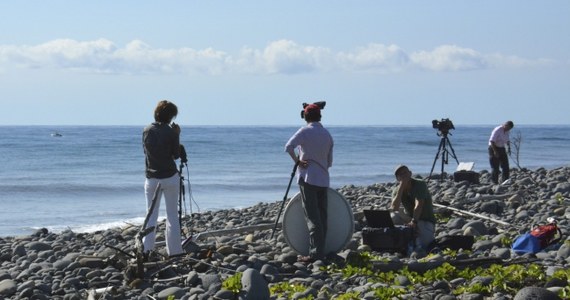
{"x":278,"y":57}
{"x":449,"y":58}
{"x":285,"y":57}
{"x":374,"y":57}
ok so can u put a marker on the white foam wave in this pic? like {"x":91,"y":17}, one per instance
{"x":88,"y":228}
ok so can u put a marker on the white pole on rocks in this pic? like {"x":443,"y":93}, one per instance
{"x":472,"y":214}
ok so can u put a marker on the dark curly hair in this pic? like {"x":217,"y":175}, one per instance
{"x":165,"y":111}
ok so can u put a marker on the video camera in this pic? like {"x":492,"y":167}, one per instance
{"x":183,"y":156}
{"x":443,"y":126}
{"x":320,"y":104}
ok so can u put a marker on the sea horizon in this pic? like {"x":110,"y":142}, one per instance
{"x":92,"y":176}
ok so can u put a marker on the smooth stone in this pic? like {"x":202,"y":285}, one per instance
{"x":38,"y":246}
{"x":209,"y":280}
{"x":92,"y":262}
{"x":192,"y":279}
{"x":503,"y":253}
{"x":254,"y":285}
{"x":528,"y":293}
{"x":8,"y":287}
{"x":289,"y":257}
{"x":479,"y":226}
{"x":224,"y":294}
{"x":225,"y":250}
{"x":563,"y":251}
{"x":456,"y":223}
{"x":485,"y":245}
{"x":177,"y":292}
{"x":19,"y":250}
{"x":492,"y":207}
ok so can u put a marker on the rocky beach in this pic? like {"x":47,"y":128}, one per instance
{"x":242,"y":264}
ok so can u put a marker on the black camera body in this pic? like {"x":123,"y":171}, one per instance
{"x":183,"y":156}
{"x":443,"y":126}
{"x":320,"y":104}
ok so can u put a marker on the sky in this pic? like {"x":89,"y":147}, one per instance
{"x":255,"y":62}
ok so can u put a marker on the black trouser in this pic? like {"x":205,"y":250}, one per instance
{"x":501,"y":161}
{"x":315,"y":207}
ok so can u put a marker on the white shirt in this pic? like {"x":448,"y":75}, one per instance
{"x":315,"y":145}
{"x":499,"y":136}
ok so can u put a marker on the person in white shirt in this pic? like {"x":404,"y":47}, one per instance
{"x":499,"y":146}
{"x":315,"y":146}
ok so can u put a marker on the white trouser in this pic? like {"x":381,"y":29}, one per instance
{"x":170,"y":188}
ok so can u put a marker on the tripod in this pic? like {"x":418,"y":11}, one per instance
{"x":444,"y":153}
{"x":182,"y":191}
{"x":284,"y":199}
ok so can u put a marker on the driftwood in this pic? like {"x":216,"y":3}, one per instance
{"x":472,"y":214}
{"x":233,"y":231}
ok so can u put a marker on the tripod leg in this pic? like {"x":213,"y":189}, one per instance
{"x":436,"y":156}
{"x":452,"y":151}
{"x":284,"y":200}
{"x":444,"y":157}
{"x":180,"y":197}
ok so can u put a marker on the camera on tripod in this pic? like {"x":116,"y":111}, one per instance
{"x":320,"y":104}
{"x":443,"y":126}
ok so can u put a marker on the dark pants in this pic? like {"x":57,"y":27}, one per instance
{"x":315,"y":207}
{"x":501,"y":161}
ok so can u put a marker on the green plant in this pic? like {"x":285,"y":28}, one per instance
{"x":558,"y":197}
{"x":388,"y":292}
{"x":565,"y":292}
{"x":506,"y":241}
{"x":563,"y":274}
{"x":441,"y":273}
{"x":348,"y":296}
{"x":477,"y":288}
{"x":283,"y":289}
{"x":233,"y":283}
{"x":505,"y":278}
{"x":442,"y":218}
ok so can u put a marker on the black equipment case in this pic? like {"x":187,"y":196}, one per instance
{"x":382,"y":235}
{"x":470,"y":176}
{"x":387,"y":239}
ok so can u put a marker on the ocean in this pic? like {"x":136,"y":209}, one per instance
{"x":91,"y":177}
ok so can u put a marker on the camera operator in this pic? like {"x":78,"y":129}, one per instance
{"x":161,"y":143}
{"x":417,"y":212}
{"x":315,"y":146}
{"x":498,"y":153}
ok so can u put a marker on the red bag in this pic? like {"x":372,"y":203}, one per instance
{"x":546,"y":234}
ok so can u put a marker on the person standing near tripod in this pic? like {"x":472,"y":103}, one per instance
{"x":161,"y":143}
{"x":499,"y":145}
{"x":315,"y":157}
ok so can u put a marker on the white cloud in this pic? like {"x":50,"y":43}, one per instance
{"x":375,"y":57}
{"x":278,"y":57}
{"x":449,"y":58}
{"x":286,"y":57}
{"x":499,"y":60}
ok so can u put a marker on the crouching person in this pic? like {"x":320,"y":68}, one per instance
{"x":412,"y":205}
